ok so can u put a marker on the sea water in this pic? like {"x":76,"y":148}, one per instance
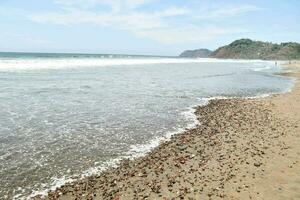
{"x":63,"y":116}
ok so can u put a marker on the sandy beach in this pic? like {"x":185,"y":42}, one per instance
{"x":243,"y":149}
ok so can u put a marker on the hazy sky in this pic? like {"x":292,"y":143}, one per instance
{"x":161,"y":27}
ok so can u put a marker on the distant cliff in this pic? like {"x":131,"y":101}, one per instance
{"x":249,"y":49}
{"x":198,"y":53}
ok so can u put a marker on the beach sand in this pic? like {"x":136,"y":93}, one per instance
{"x":243,"y":149}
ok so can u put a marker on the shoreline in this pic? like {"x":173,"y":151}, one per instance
{"x":201,"y":162}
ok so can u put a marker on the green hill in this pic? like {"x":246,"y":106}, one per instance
{"x":249,"y":49}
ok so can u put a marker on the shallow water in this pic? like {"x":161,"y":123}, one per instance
{"x":64,"y":115}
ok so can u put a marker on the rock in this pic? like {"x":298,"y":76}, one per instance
{"x":182,"y":147}
{"x":257,"y":164}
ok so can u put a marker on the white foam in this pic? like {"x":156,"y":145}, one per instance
{"x":59,"y":63}
{"x":134,"y":152}
{"x":56,"y":183}
{"x":262,"y":68}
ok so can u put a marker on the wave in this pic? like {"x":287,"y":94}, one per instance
{"x":60,"y":63}
{"x":263,"y":68}
{"x":268,"y":65}
{"x":218,"y":75}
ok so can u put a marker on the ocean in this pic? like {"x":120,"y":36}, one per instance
{"x":65,"y":116}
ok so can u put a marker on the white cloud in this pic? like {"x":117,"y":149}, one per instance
{"x":173,"y":11}
{"x":126,"y":18}
{"x":129,"y":21}
{"x":116,"y":5}
{"x":228,"y":11}
{"x":186,"y":34}
{"x":160,"y":25}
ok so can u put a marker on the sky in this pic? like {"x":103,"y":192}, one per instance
{"x":146,"y":27}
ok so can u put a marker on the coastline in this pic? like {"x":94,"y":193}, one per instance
{"x":244,"y":149}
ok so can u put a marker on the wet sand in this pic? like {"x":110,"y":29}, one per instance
{"x":243,"y":149}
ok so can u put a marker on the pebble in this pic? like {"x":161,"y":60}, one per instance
{"x":214,"y":158}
